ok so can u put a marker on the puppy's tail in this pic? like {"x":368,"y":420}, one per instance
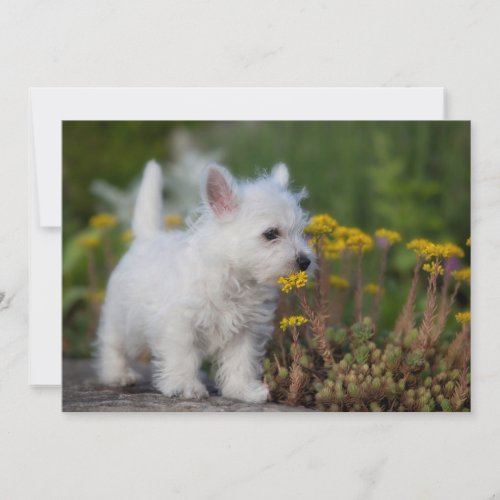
{"x":148,"y":210}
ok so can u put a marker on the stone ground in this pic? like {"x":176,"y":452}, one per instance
{"x":82,"y":393}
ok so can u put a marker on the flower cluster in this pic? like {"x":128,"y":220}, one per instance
{"x":344,"y":238}
{"x":333,"y":248}
{"x":359,"y":242}
{"x":292,"y":321}
{"x":295,"y":280}
{"x":386,"y":238}
{"x":463,"y":317}
{"x":429,"y":250}
{"x":342,"y":232}
{"x":433,"y":268}
{"x":103,"y":221}
{"x":420,"y":246}
{"x":462,"y":274}
{"x":320,"y":225}
{"x":448,"y":250}
{"x":338,"y":282}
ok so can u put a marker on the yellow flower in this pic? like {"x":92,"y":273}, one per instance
{"x":387,"y":237}
{"x":372,"y":288}
{"x":463,"y":317}
{"x":345,"y":231}
{"x":332,"y":249}
{"x":428,"y":250}
{"x":292,"y":321}
{"x":89,"y":241}
{"x":462,"y":274}
{"x":341,"y":232}
{"x":338,"y":281}
{"x":295,"y":280}
{"x":321,"y":224}
{"x":335,"y":244}
{"x":468,"y":242}
{"x":450,"y":250}
{"x":420,"y":246}
{"x":359,"y":242}
{"x":433,"y":268}
{"x":173,"y":220}
{"x":103,"y":221}
{"x":127,"y":236}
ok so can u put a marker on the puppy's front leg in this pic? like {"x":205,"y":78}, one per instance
{"x":240,"y":369}
{"x":177,"y":361}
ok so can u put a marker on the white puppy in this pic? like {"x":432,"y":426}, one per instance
{"x":208,"y":292}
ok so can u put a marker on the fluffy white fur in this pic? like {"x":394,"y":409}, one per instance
{"x":209,"y":291}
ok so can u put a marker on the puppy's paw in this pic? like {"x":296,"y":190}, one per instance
{"x":195,"y":390}
{"x":249,"y":392}
{"x":189,"y":390}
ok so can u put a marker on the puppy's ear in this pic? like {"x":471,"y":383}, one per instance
{"x":280,"y":174}
{"x":219,"y":191}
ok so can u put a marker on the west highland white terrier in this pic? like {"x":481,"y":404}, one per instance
{"x":207,"y":292}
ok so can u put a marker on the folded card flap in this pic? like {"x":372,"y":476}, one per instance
{"x":47,"y":152}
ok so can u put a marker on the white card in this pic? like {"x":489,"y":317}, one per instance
{"x":51,"y":106}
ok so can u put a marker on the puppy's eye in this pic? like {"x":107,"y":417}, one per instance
{"x":271,"y":234}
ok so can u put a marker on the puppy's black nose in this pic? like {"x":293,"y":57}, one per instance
{"x":303,"y":262}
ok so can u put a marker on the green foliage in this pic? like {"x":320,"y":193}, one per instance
{"x":363,"y":331}
{"x":361,"y":354}
{"x":415,"y":361}
{"x":336,"y":335}
{"x":410,"y":175}
{"x":115,"y":151}
{"x":397,"y":381}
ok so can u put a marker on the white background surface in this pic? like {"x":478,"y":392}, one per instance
{"x":47,"y":454}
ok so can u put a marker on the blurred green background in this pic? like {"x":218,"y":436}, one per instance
{"x":413,"y":177}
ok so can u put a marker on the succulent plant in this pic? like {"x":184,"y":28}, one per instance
{"x":350,"y":366}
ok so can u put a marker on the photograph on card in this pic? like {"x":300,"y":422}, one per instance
{"x":266,"y":266}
